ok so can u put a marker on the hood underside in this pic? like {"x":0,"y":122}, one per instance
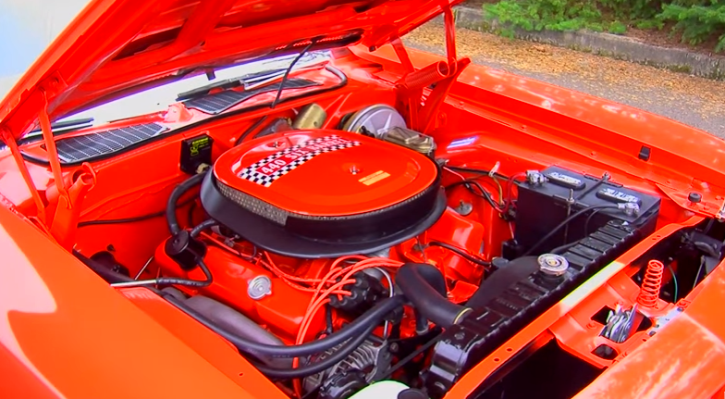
{"x":117,"y":47}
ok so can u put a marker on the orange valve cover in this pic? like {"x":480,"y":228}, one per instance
{"x":323,"y":193}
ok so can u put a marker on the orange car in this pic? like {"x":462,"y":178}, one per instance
{"x":270,"y":199}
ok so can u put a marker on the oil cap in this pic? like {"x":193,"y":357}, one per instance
{"x":553,"y":264}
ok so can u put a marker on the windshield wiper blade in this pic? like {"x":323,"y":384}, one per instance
{"x":217,"y":103}
{"x":249,"y":81}
{"x":58,"y":128}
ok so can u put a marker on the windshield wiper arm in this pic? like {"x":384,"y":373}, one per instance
{"x":249,"y":81}
{"x":252,"y":80}
{"x":204,"y":90}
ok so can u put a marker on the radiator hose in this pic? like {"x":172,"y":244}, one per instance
{"x":425,"y":287}
{"x":359,"y":326}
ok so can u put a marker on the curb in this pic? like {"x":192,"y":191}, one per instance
{"x":606,"y":44}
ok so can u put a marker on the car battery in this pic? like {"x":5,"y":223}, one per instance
{"x":548,"y":198}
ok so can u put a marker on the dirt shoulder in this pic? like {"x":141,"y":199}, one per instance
{"x":664,"y":37}
{"x":697,"y":102}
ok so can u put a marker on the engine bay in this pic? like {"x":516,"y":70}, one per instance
{"x":344,"y":250}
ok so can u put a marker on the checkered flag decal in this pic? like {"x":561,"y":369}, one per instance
{"x":265,"y":171}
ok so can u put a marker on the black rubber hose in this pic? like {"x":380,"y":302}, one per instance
{"x":340,"y":354}
{"x":425,"y":286}
{"x":187,"y":282}
{"x":178,"y":191}
{"x":202,"y":226}
{"x":421,"y":322}
{"x":356,"y":328}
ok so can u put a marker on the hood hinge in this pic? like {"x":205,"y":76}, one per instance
{"x":421,"y":112}
{"x":9,"y":140}
{"x":68,"y":199}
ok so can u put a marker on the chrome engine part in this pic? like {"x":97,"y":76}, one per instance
{"x":375,"y":120}
{"x":370,"y":358}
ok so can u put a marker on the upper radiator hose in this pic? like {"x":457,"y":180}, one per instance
{"x":425,"y":286}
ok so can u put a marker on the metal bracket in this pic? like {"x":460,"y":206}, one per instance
{"x":720,"y":215}
{"x":9,"y":140}
{"x":52,"y":151}
{"x":421,"y":111}
{"x":403,"y":55}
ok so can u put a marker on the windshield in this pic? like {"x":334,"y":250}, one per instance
{"x":159,"y":98}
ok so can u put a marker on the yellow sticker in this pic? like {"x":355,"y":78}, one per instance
{"x":374,"y":178}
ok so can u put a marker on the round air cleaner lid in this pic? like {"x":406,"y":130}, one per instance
{"x":323,"y":193}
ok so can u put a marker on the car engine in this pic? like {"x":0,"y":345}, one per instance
{"x":339,"y":258}
{"x":312,"y":233}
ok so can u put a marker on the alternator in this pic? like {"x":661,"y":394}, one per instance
{"x":370,"y":358}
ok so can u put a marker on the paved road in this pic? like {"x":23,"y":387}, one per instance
{"x":694,"y":101}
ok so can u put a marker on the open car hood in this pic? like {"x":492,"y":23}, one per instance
{"x":117,"y":47}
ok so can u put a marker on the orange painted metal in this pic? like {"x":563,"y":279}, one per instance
{"x":206,"y":343}
{"x":10,"y":141}
{"x":559,"y":126}
{"x":683,"y":360}
{"x":366,"y":176}
{"x":66,"y":333}
{"x":133,"y":344}
{"x":451,"y":229}
{"x":89,"y":61}
{"x":282,"y":312}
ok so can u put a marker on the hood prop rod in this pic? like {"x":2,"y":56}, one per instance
{"x":52,"y":151}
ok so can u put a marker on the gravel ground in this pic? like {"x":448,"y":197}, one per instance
{"x":694,"y":101}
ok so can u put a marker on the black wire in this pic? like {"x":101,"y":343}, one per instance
{"x":202,"y":226}
{"x":460,"y":252}
{"x":563,"y":224}
{"x":563,"y":248}
{"x":200,"y":262}
{"x":251,"y":129}
{"x":474,"y":170}
{"x":339,"y":355}
{"x":589,"y":219}
{"x":328,"y":319}
{"x":483,"y":193}
{"x":412,"y":356}
{"x":188,"y":282}
{"x":133,"y":219}
{"x":288,"y":71}
{"x":285,"y":78}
